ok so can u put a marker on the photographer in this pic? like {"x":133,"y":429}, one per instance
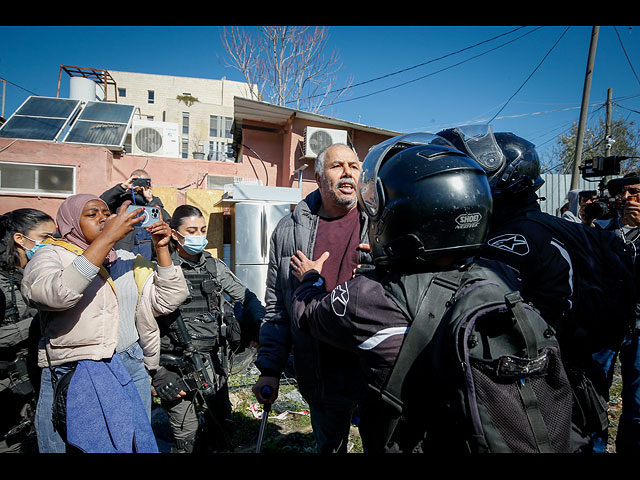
{"x":577,"y":201}
{"x":626,"y":192}
{"x":137,"y":188}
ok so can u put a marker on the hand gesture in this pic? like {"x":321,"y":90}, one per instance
{"x":300,"y":264}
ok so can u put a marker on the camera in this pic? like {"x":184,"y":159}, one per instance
{"x":601,"y":166}
{"x":604,"y":207}
{"x":151,"y":215}
{"x":141,"y":182}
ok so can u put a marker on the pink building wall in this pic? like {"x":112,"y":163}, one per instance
{"x":97,"y":168}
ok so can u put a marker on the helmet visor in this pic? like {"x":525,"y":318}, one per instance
{"x":481,"y":144}
{"x":367,"y":185}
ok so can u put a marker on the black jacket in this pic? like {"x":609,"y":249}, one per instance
{"x":540,"y":260}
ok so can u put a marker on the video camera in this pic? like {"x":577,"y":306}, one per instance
{"x":604,"y":206}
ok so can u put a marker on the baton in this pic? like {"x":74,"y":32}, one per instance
{"x":265,"y":392}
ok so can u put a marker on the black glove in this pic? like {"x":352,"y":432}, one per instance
{"x":167,"y":384}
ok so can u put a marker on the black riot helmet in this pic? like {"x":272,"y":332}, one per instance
{"x":511,"y":162}
{"x":425,"y":200}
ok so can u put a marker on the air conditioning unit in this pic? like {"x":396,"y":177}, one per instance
{"x":159,"y":139}
{"x":316,"y":139}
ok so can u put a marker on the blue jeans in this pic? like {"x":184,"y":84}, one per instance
{"x":132,"y":358}
{"x":49,"y":441}
{"x":628,"y":438}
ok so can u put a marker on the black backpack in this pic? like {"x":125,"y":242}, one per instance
{"x":604,"y":284}
{"x":488,"y":363}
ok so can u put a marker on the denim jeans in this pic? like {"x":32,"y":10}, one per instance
{"x":628,"y":438}
{"x":49,"y":441}
{"x":132,"y":358}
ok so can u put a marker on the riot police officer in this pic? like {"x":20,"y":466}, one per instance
{"x":546,"y":261}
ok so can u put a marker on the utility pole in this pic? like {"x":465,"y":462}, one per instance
{"x":608,"y":140}
{"x":585,"y":107}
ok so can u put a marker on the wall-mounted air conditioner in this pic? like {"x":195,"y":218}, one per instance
{"x":159,"y":139}
{"x":316,"y":139}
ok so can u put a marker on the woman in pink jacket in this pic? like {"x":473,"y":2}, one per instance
{"x":82,"y":287}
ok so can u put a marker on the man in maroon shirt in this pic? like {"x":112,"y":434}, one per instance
{"x":325,"y":224}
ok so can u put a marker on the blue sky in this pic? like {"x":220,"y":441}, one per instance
{"x":455,"y":90}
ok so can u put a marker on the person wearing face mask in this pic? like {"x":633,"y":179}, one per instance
{"x":21,"y":234}
{"x":213,"y":329}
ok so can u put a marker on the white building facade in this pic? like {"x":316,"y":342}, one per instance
{"x":202,"y":108}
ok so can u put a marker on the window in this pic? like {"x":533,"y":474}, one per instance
{"x":213,"y":126}
{"x":122,"y":92}
{"x":220,"y":126}
{"x":219,"y":152}
{"x":185,"y":123}
{"x":227,"y":127}
{"x":36,"y":178}
{"x":151,"y":96}
{"x":185,"y":148}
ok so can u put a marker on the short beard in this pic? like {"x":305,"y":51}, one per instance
{"x":346,"y":203}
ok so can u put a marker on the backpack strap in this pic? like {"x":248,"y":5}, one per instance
{"x":428,"y":313}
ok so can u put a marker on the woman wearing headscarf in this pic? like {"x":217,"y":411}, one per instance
{"x":91,"y":313}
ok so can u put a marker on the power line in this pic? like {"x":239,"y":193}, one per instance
{"x":531,"y":74}
{"x":16,"y":85}
{"x":410,"y":68}
{"x":625,"y":54}
{"x":438,"y":71}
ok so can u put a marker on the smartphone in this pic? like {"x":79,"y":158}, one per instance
{"x":141,"y":182}
{"x":151,"y":215}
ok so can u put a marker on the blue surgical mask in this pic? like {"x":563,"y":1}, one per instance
{"x":32,"y":250}
{"x":194,"y":244}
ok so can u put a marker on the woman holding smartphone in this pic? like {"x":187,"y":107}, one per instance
{"x":92,"y":310}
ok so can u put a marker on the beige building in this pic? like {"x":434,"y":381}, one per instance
{"x":202,"y":109}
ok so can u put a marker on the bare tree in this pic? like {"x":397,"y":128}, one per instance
{"x":287,"y":64}
{"x":627,"y":143}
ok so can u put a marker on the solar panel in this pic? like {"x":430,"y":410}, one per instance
{"x":40,"y":118}
{"x":101,"y":123}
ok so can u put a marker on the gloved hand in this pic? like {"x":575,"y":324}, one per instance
{"x":168,"y":385}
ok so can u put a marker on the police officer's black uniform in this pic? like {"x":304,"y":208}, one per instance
{"x":217,"y":330}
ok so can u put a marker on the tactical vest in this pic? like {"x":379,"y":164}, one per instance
{"x":208,"y":316}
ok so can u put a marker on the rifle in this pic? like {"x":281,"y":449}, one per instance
{"x":192,"y":366}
